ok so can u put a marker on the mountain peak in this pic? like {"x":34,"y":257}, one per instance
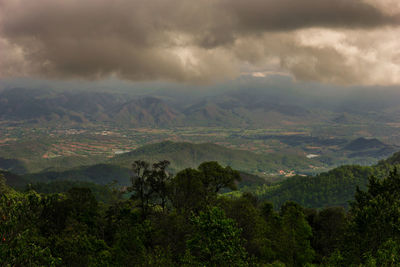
{"x":362,"y":143}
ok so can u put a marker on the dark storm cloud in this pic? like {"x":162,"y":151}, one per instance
{"x":278,"y":15}
{"x":181,"y":40}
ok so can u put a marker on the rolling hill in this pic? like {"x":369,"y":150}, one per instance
{"x":333,"y":188}
{"x":98,"y":173}
{"x":183,"y":155}
{"x":362,"y":147}
{"x":12,"y":165}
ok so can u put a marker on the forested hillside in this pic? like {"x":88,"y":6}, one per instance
{"x":182,"y":220}
{"x":333,"y":188}
{"x":98,"y":173}
{"x":183,"y":154}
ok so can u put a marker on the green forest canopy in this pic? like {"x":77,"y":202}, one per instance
{"x":181,"y":219}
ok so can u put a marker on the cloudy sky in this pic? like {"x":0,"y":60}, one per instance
{"x":340,"y":42}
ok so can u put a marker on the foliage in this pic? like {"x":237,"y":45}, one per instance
{"x":98,"y":173}
{"x":375,"y":218}
{"x":103,"y":193}
{"x":295,"y":248}
{"x":21,"y":244}
{"x":333,"y":188}
{"x":183,"y":155}
{"x":215,"y":241}
{"x":182,"y":220}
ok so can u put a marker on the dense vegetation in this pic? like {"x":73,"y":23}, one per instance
{"x":99,"y":169}
{"x":181,"y":219}
{"x":334,"y":188}
{"x":184,"y":154}
{"x":103,"y":193}
{"x":98,"y":173}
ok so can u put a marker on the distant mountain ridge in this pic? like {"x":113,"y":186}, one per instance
{"x":235,"y":109}
{"x":254,"y":106}
{"x":363,"y":144}
{"x":362,"y":147}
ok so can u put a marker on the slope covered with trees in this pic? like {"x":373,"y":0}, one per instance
{"x":181,"y":220}
{"x":333,"y":188}
{"x":98,"y":173}
{"x":183,"y":154}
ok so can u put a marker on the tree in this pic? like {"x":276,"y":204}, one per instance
{"x":3,"y":186}
{"x":195,"y":189}
{"x":83,"y":205}
{"x":141,"y":187}
{"x":20,"y":240}
{"x":387,"y":255}
{"x":244,"y":211}
{"x":159,"y":182}
{"x":187,"y":191}
{"x":375,"y":218}
{"x":150,"y":185}
{"x":215,"y":241}
{"x":328,"y":226}
{"x":296,"y":233}
{"x":215,"y":177}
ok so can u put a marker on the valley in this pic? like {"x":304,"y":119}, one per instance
{"x":269,"y":134}
{"x":43,"y":147}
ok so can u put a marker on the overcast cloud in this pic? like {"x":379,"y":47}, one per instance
{"x":333,"y":41}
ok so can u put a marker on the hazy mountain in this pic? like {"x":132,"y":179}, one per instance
{"x":241,"y":109}
{"x":364,"y":144}
{"x":46,"y":105}
{"x":246,"y":107}
{"x":232,"y":109}
{"x":145,"y":111}
{"x":362,"y":147}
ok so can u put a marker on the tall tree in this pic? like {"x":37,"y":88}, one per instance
{"x":141,"y":188}
{"x":375,"y":218}
{"x":329,"y":227}
{"x":215,"y":177}
{"x":187,"y":191}
{"x":159,"y":182}
{"x":296,"y":233}
{"x":215,"y":241}
{"x":3,"y":186}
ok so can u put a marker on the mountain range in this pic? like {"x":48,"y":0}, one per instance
{"x":246,"y":107}
{"x":234,"y":109}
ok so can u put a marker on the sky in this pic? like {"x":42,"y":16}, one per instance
{"x":202,"y":42}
